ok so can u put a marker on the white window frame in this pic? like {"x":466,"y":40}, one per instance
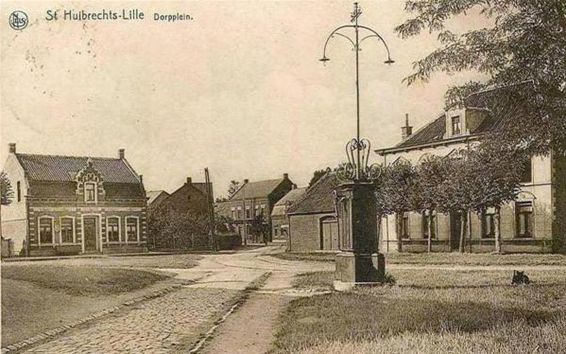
{"x":119,"y":230}
{"x":95,"y":192}
{"x":61,"y":230}
{"x":39,"y":229}
{"x":137,"y":228}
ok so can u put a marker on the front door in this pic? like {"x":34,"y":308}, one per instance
{"x":90,"y":233}
{"x":455,"y":230}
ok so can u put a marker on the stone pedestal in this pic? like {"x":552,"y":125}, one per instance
{"x":359,"y":263}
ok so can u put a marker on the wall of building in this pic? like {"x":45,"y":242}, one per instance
{"x":14,"y":222}
{"x":539,"y":191}
{"x":304,"y":232}
{"x":187,"y":199}
{"x":57,"y":210}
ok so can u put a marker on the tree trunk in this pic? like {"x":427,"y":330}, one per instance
{"x":497,"y":231}
{"x":429,"y":241}
{"x":463,"y":228}
{"x":398,"y":221}
{"x":469,"y":235}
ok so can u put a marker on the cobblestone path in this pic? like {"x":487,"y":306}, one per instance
{"x":167,"y":324}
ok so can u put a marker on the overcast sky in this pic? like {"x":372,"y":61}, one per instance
{"x":239,"y":89}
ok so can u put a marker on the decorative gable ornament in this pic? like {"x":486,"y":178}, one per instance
{"x":89,"y":174}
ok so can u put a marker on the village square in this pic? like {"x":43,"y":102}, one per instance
{"x":403,"y":190}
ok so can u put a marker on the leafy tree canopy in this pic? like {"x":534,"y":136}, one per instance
{"x":6,"y":189}
{"x":526,"y":42}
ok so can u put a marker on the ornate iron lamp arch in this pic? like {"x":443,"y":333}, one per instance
{"x":357,"y":149}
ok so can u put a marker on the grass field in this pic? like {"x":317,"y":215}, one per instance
{"x":482,"y":259}
{"x":83,"y":280}
{"x":430,"y":311}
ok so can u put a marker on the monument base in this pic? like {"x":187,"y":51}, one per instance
{"x":358,"y":270}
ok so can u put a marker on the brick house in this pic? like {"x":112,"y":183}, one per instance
{"x":312,"y":219}
{"x":279,"y":218}
{"x":72,"y":205}
{"x":190,"y":203}
{"x":532,"y":223}
{"x":251,"y":205}
{"x":191,"y":197}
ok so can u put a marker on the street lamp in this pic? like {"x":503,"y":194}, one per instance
{"x":359,"y":262}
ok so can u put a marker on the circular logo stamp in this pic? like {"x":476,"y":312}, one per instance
{"x":18,"y":20}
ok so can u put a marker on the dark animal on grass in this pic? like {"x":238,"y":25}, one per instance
{"x":520,"y":278}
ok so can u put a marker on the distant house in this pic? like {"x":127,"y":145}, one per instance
{"x":154,"y":198}
{"x":279,"y":218}
{"x":189,"y":198}
{"x":312,"y":219}
{"x":250,"y":207}
{"x":71,"y":205}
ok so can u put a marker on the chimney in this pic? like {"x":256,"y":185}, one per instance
{"x":407,"y":130}
{"x":121,"y":154}
{"x":246,"y":181}
{"x":285,"y":176}
{"x":189,"y":180}
{"x":12,"y":148}
{"x":141,"y":179}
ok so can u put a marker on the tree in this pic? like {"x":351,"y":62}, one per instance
{"x":233,"y":188}
{"x":459,"y":191}
{"x":431,"y":174}
{"x":6,"y":189}
{"x":175,"y":230}
{"x":499,"y":179}
{"x":525,"y":42}
{"x":396,"y":194}
{"x":317,"y":175}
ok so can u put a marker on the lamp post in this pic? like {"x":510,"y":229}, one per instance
{"x":359,"y":261}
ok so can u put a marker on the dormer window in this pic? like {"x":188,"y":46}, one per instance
{"x":456,"y":125}
{"x":90,"y":192}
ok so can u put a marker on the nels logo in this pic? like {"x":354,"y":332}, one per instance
{"x":18,"y":20}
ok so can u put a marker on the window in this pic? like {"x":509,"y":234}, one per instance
{"x":426,"y":219}
{"x":234,"y":214}
{"x":262,"y":209}
{"x":67,"y":230}
{"x":19,"y":191}
{"x":131,"y":229}
{"x":404,"y":225}
{"x":113,"y":229}
{"x":456,"y":125}
{"x":526,"y":172}
{"x":248,"y":213}
{"x":45,"y":230}
{"x":524,"y":218}
{"x":488,"y":224}
{"x":239,"y":214}
{"x":90,"y":192}
{"x":257,"y":210}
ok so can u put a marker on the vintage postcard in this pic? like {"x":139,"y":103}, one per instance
{"x":278,"y":176}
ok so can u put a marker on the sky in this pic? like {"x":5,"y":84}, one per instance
{"x":238,"y":89}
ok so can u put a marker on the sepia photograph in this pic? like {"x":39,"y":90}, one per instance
{"x":282,"y":176}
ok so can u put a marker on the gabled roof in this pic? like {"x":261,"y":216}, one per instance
{"x":201,"y":186}
{"x":53,"y":168}
{"x":433,"y":131}
{"x":259,"y":189}
{"x":289,"y":199}
{"x":319,"y":198}
{"x":488,"y":100}
{"x":152,"y":195}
